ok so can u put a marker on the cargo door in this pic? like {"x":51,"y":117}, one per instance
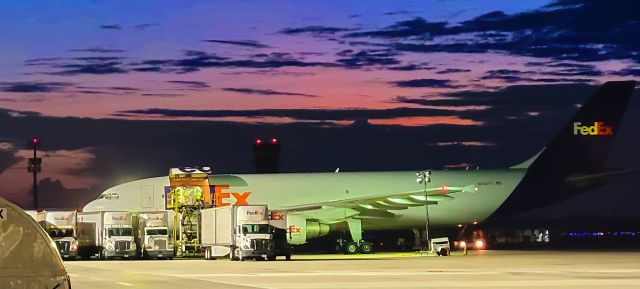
{"x":146,"y":198}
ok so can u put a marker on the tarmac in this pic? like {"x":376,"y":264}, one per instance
{"x":479,"y":269}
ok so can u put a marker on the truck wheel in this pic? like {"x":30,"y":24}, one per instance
{"x":366,"y":248}
{"x":235,"y":254}
{"x":444,"y":252}
{"x":288,"y":257}
{"x":271,"y":257}
{"x":351,"y":248}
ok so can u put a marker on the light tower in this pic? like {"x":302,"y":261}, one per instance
{"x":424,"y":177}
{"x":35,"y":166}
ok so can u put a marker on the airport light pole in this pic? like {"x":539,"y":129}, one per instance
{"x":424,"y":177}
{"x":34,"y":167}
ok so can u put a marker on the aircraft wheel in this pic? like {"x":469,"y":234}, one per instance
{"x":351,"y":248}
{"x":366,"y":248}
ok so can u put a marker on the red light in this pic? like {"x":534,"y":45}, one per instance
{"x":444,"y":188}
{"x":274,"y":140}
{"x":35,"y":140}
{"x":258,"y":141}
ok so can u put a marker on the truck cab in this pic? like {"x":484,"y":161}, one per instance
{"x":253,"y":240}
{"x":154,"y":238}
{"x":61,"y":227}
{"x":118,"y":236}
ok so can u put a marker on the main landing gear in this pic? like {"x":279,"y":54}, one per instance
{"x":357,"y":245}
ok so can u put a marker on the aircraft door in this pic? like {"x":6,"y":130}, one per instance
{"x":146,"y":198}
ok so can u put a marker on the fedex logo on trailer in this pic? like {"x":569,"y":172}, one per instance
{"x":255,"y":213}
{"x":118,"y":218}
{"x":598,"y":128}
{"x":63,"y":218}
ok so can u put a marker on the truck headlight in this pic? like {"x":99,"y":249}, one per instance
{"x":109,"y":246}
{"x":246,"y":247}
{"x":74,"y":246}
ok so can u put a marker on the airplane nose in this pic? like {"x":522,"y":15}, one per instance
{"x":94,"y":206}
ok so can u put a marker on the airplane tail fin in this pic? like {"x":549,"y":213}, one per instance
{"x":581,"y":147}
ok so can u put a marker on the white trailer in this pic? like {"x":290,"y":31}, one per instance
{"x":241,"y":232}
{"x":61,"y":227}
{"x":153,"y":235}
{"x":106,"y":234}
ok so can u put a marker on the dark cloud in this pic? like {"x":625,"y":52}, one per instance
{"x":197,"y":60}
{"x":515,"y":76}
{"x":399,"y":12}
{"x":411,"y":67}
{"x":417,"y":27}
{"x":190,"y":84}
{"x":426,"y":82}
{"x":145,"y":25}
{"x":452,"y":70}
{"x":632,"y":71}
{"x":578,"y":30}
{"x":106,"y":67}
{"x":99,"y":50}
{"x":8,"y":158}
{"x":518,"y":101}
{"x":314,"y":30}
{"x":266,"y":92}
{"x":247,"y":43}
{"x":111,"y":26}
{"x":298,"y":114}
{"x":353,"y":59}
{"x":30,"y":87}
{"x":163,"y":94}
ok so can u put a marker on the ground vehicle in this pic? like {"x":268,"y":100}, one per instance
{"x":153,"y":235}
{"x":441,"y":246}
{"x":238,"y":231}
{"x":61,"y":227}
{"x":28,"y":257}
{"x":106,"y":234}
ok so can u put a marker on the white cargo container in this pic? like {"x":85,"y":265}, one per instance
{"x":106,"y":234}
{"x":238,"y":231}
{"x":61,"y":227}
{"x":153,"y":235}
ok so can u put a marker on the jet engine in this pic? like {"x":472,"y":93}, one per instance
{"x":300,"y":230}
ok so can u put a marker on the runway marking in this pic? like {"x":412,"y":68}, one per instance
{"x":125,"y":284}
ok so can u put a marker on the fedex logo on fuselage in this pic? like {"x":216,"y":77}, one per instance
{"x":598,"y":128}
{"x":225,"y":198}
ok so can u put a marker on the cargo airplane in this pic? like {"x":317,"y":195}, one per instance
{"x":315,"y":203}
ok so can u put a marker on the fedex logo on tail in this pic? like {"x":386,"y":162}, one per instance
{"x":598,"y":128}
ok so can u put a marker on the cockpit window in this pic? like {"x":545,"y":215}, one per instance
{"x":109,"y":196}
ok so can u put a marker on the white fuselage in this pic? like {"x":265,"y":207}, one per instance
{"x":298,"y":189}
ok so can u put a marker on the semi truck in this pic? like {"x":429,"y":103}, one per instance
{"x":241,"y":232}
{"x":153,"y":235}
{"x":106,"y":234}
{"x":61,"y":227}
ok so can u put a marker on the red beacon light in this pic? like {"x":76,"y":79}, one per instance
{"x":35,"y":140}
{"x":258,"y":141}
{"x":274,"y":140}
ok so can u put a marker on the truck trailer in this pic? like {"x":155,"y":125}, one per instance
{"x":107,"y":234}
{"x":153,"y":235}
{"x":242,"y":232}
{"x":61,"y":227}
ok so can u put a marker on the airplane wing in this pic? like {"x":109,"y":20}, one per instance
{"x":377,"y":206}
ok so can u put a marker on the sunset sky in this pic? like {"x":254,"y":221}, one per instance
{"x":120,"y":90}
